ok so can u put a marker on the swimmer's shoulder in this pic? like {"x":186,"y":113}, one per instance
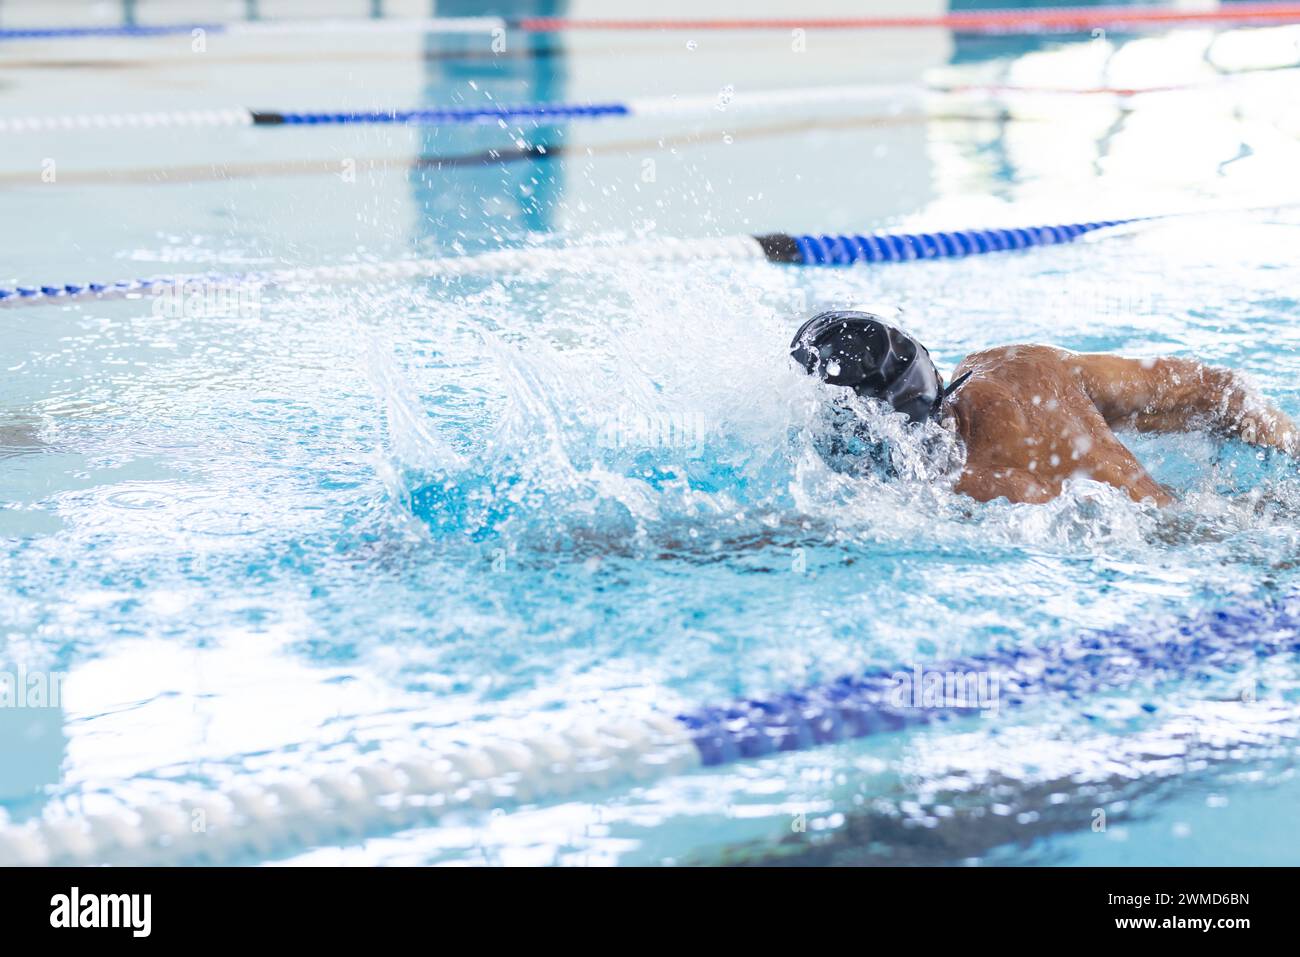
{"x":986,"y":407}
{"x":992,"y":403}
{"x":986,"y":363}
{"x":1000,"y":374}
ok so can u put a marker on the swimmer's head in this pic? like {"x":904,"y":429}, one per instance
{"x":859,"y":351}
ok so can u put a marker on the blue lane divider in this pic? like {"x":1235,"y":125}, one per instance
{"x":240,"y":116}
{"x":122,"y":286}
{"x":122,"y":30}
{"x":846,"y":250}
{"x":345,"y":27}
{"x":474,"y":114}
{"x":802,"y":250}
{"x":854,"y":706}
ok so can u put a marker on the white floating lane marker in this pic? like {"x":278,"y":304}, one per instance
{"x":263,"y":819}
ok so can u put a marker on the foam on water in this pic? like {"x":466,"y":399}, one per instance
{"x":653,"y":419}
{"x":392,"y":516}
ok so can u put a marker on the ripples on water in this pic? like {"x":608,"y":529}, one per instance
{"x":390,"y":515}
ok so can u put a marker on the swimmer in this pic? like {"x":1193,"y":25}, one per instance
{"x":1032,"y":416}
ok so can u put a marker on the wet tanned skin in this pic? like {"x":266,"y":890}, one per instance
{"x":1033,"y":416}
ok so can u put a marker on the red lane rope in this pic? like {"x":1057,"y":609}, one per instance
{"x":1066,"y":90}
{"x":1058,"y":18}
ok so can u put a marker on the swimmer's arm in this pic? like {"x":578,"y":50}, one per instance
{"x":1015,"y":485}
{"x":1024,"y":487}
{"x":1177,"y":395}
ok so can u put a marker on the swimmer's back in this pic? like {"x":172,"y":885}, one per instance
{"x":1031,"y":420}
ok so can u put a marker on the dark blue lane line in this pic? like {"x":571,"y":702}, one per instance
{"x":828,"y":250}
{"x":803,"y":250}
{"x":434,"y":115}
{"x":124,"y":30}
{"x":1075,"y":667}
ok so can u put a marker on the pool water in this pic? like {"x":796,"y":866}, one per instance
{"x":334,"y":521}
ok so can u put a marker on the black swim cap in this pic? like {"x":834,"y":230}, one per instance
{"x":861,"y":352}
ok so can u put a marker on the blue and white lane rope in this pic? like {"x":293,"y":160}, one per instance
{"x":1014,"y":20}
{"x":726,"y":100}
{"x":854,"y":706}
{"x":263,"y":818}
{"x":802,"y":250}
{"x":259,"y":28}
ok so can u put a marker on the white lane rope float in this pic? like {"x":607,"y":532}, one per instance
{"x":726,"y":100}
{"x":346,"y":26}
{"x":490,"y":112}
{"x":800,"y":250}
{"x":263,"y":818}
{"x":1017,"y":20}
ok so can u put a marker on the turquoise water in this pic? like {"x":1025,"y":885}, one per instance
{"x":357,"y":518}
